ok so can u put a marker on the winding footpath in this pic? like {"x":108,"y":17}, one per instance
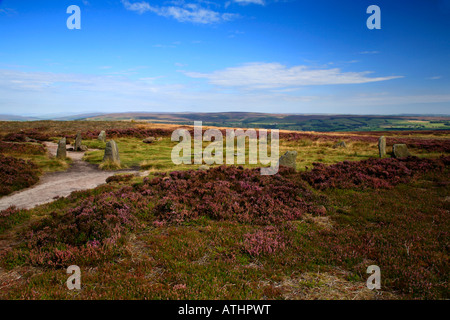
{"x":80,"y":176}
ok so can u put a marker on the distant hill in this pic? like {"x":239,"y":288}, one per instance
{"x":301,"y":122}
{"x":9,"y":117}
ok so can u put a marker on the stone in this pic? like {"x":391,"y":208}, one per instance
{"x":400,"y":151}
{"x":83,"y":148}
{"x":30,"y":140}
{"x":382,"y":146}
{"x":203,"y":168}
{"x":61,"y":152}
{"x":102,"y":136}
{"x":77,"y":144}
{"x":340,"y":145}
{"x":111,"y":152}
{"x":289,"y":159}
{"x":149,"y":140}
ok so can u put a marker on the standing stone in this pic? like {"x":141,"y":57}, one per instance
{"x":400,"y":151}
{"x":61,"y":152}
{"x":288,"y":159}
{"x":340,"y":145}
{"x":102,"y":136}
{"x":149,"y":140}
{"x":382,"y":146}
{"x":77,"y":145}
{"x":111,"y":152}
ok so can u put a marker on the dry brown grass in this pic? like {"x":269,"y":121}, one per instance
{"x":327,"y":286}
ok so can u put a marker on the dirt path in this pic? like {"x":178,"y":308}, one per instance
{"x":80,"y":176}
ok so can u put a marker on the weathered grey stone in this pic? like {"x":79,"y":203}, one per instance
{"x":382,"y":146}
{"x":149,"y":140}
{"x":111,"y":152}
{"x":340,"y":145}
{"x":289,"y":159}
{"x":400,"y":151}
{"x":61,"y":152}
{"x":102,"y":136}
{"x":77,"y":144}
{"x":30,"y":140}
{"x":83,"y":148}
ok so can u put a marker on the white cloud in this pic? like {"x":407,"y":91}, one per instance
{"x":369,"y":52}
{"x":246,"y":2}
{"x":182,"y":12}
{"x":139,"y":7}
{"x":434,"y":78}
{"x":276,"y":75}
{"x":47,"y":92}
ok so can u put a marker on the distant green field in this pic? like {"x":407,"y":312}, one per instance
{"x":320,"y":123}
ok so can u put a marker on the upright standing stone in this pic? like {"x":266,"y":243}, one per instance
{"x":111,"y":152}
{"x":340,"y":145}
{"x":400,"y":151}
{"x":102,"y":136}
{"x":61,"y":153}
{"x":288,"y":159}
{"x":77,"y":145}
{"x":382,"y":146}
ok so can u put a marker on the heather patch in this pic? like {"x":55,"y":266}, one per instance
{"x":371,"y":173}
{"x":22,"y":148}
{"x":16,"y":174}
{"x":91,"y":232}
{"x":268,"y":240}
{"x":22,"y":136}
{"x":11,"y":217}
{"x":230,"y":193}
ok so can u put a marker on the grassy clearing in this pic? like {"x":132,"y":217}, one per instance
{"x":157,"y":156}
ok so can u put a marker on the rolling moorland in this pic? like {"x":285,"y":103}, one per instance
{"x":229,"y":233}
{"x":298,"y":122}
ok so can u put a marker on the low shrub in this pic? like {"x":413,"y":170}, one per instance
{"x":16,"y":174}
{"x":230,"y":193}
{"x":90,"y":232}
{"x":11,"y":217}
{"x":22,"y":148}
{"x":371,"y":173}
{"x":268,"y":240}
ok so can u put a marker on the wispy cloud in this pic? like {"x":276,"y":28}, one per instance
{"x":47,"y":91}
{"x":276,"y":75}
{"x":434,"y":78}
{"x":369,"y":52}
{"x":7,"y":11}
{"x":182,"y":12}
{"x":246,"y":2}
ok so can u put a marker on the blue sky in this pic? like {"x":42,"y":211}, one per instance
{"x":292,"y":56}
